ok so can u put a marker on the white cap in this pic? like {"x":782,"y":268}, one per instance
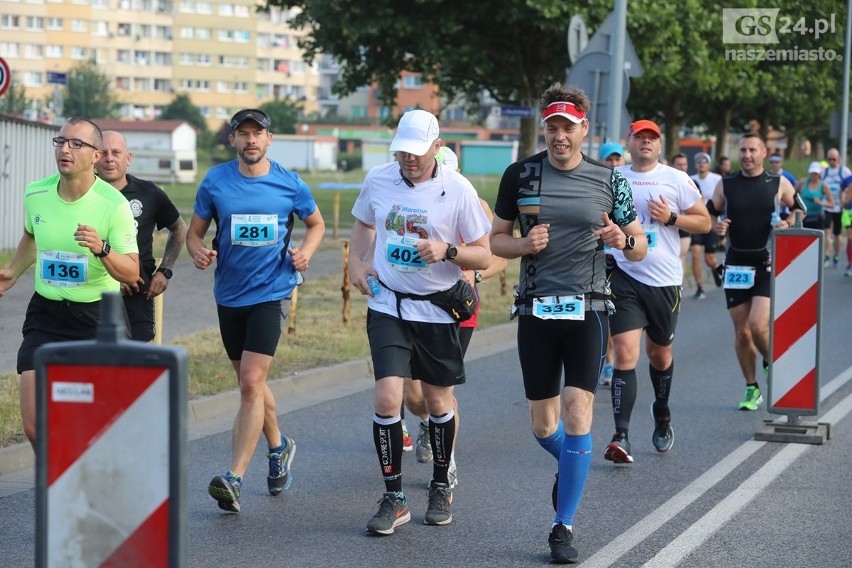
{"x":815,"y":168}
{"x":416,"y":133}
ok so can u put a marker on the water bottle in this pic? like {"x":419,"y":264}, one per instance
{"x":374,"y":285}
{"x":776,"y":219}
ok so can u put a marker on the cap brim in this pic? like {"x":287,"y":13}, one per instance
{"x":415,"y":147}
{"x":571,"y":117}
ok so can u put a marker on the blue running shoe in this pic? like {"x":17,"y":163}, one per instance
{"x":279,"y":477}
{"x":226,"y":490}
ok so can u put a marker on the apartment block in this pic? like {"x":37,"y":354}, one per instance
{"x":224,"y":54}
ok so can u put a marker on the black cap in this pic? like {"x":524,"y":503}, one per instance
{"x":254,"y":114}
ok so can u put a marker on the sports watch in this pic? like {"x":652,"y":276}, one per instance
{"x":104,"y":251}
{"x":167,"y":272}
{"x":629,"y":243}
{"x":452,"y":251}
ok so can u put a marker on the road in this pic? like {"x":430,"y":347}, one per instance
{"x":718,"y":499}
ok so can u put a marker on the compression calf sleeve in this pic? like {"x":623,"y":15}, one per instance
{"x":662,"y":381}
{"x":387,"y":435}
{"x":623,"y":397}
{"x":574,"y":463}
{"x":442,"y":431}
{"x":553,"y":443}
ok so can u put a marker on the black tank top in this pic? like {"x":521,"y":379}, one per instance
{"x":750,"y":202}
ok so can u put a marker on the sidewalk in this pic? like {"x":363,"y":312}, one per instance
{"x":214,"y":414}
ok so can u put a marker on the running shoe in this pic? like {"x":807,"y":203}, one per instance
{"x":825,"y":262}
{"x":717,"y":275}
{"x":663,"y":435}
{"x":618,"y":450}
{"x":407,"y":442}
{"x":393,"y":512}
{"x":440,"y":498}
{"x":225,"y":489}
{"x":699,"y":294}
{"x":606,"y":375}
{"x":848,"y":273}
{"x":279,"y":478}
{"x":752,"y":399}
{"x":835,"y":262}
{"x":561,"y":549}
{"x":423,"y":446}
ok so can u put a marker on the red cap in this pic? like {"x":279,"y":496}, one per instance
{"x":567,"y":110}
{"x":641,"y":125}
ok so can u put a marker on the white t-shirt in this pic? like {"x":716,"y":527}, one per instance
{"x":707,"y":185}
{"x":833,"y":177}
{"x":661,"y":266}
{"x":444,"y":208}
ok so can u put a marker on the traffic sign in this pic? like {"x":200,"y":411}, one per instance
{"x":56,"y":78}
{"x":5,"y":76}
{"x":578,"y":38}
{"x":522,"y":112}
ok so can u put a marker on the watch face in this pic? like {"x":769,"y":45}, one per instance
{"x":452,"y":252}
{"x":167,"y":272}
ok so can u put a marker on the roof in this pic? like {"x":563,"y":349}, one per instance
{"x":124,"y":126}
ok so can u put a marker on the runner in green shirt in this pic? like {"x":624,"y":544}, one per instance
{"x":80,"y":234}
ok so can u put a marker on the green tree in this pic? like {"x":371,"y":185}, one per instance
{"x":14,"y":100}
{"x":284,"y":114}
{"x":182,"y":108}
{"x":88,"y":93}
{"x":512,"y":50}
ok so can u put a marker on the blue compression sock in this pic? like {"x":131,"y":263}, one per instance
{"x":553,"y":443}
{"x":574,"y":463}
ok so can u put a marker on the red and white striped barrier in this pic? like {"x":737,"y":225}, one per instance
{"x":111,"y":451}
{"x":796,"y":302}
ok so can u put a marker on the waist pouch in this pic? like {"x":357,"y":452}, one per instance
{"x":459,"y":301}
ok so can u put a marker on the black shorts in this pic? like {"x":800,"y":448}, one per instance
{"x":639,"y":306}
{"x":762,"y":274}
{"x":682,"y":234}
{"x":814,"y":222}
{"x":430,"y":352}
{"x":140,"y":312}
{"x":49,"y":321}
{"x":465,"y":335}
{"x":547,"y":347}
{"x":710,"y":241}
{"x":833,"y":221}
{"x":255,"y":328}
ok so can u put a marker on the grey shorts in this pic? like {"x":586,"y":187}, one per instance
{"x":430,"y":352}
{"x":639,"y":306}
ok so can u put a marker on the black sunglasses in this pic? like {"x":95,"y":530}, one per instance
{"x":73,"y":143}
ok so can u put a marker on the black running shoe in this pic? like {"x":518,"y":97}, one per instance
{"x":393,"y":512}
{"x":279,"y":478}
{"x":226,"y":490}
{"x":440,"y":498}
{"x":561,"y":549}
{"x":663,"y":436}
{"x":618,"y":450}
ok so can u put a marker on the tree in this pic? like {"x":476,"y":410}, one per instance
{"x":284,"y":114}
{"x":88,"y":93}
{"x":182,"y":108}
{"x":14,"y":100}
{"x":511,"y":50}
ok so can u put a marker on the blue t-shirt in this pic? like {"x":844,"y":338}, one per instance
{"x":253,"y":219}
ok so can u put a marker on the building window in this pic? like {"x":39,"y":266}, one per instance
{"x":55,"y":24}
{"x":9,"y":21}
{"x":35,"y":23}
{"x":79,"y":25}
{"x":412,"y":81}
{"x":79,"y":53}
{"x":56,"y":51}
{"x":33,"y":79}
{"x":34,"y":51}
{"x":8,"y":49}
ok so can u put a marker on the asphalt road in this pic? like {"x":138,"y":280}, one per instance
{"x":719,"y":498}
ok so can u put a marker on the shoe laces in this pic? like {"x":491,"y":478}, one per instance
{"x":439,"y":497}
{"x":388,"y":504}
{"x":276,"y":460}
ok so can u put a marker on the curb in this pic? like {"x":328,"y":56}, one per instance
{"x":214,"y":414}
